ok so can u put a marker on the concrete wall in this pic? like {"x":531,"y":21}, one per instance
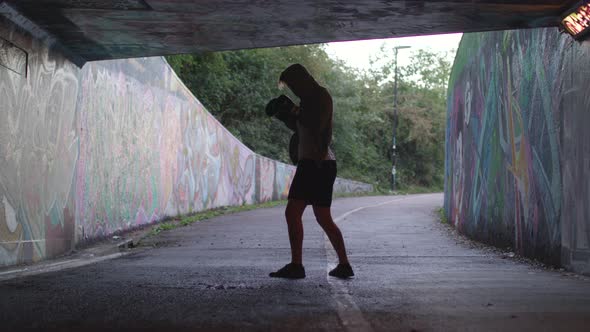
{"x":38,"y":153}
{"x":517,"y":145}
{"x":118,"y":144}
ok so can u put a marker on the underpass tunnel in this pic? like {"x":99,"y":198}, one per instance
{"x":516,"y":155}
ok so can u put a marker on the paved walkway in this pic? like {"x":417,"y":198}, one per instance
{"x":412,"y":274}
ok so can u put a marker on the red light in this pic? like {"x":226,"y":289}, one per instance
{"x":578,"y":21}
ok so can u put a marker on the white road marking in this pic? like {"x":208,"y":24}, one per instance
{"x":23,"y":241}
{"x":57,"y":266}
{"x":12,"y":271}
{"x":349,"y":313}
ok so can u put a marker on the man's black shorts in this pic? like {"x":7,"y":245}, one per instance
{"x":314,"y":182}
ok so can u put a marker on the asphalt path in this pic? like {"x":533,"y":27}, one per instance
{"x":412,"y":274}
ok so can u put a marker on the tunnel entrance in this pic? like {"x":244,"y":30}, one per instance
{"x":63,"y":34}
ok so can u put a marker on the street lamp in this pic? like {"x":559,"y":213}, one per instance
{"x":393,"y":155}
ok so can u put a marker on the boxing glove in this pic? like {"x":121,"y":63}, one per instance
{"x":282,"y":108}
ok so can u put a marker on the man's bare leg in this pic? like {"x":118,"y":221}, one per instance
{"x":324,"y":218}
{"x":293,"y":214}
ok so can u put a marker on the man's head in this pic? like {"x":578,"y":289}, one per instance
{"x":298,"y":79}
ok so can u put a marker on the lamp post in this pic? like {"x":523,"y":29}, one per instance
{"x":393,"y":154}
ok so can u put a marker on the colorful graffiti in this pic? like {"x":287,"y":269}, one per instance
{"x":575,"y":159}
{"x":350,"y":186}
{"x":160,"y":152}
{"x":271,"y":178}
{"x":38,"y":153}
{"x":503,"y":176}
{"x":115,"y":145}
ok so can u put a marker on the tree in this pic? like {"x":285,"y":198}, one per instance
{"x":235,"y":86}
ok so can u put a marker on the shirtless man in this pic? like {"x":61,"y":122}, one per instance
{"x":316,"y":171}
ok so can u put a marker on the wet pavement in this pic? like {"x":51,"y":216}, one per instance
{"x":412,"y":274}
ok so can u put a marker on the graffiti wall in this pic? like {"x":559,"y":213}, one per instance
{"x":149,"y":149}
{"x":509,"y":93}
{"x":38,"y":152}
{"x":575,"y":158}
{"x":273,"y":179}
{"x":85,"y":153}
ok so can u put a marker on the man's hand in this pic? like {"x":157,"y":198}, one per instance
{"x":281,"y":104}
{"x":283,"y":109}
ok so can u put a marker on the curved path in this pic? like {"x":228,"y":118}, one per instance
{"x":412,"y":274}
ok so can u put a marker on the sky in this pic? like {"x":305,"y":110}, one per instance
{"x":357,"y":54}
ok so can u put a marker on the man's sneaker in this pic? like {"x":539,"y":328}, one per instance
{"x":342,"y":271}
{"x":289,"y":271}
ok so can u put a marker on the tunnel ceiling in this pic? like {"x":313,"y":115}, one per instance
{"x":95,"y":30}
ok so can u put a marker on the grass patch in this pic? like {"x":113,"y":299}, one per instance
{"x":208,"y":214}
{"x":162,"y":227}
{"x":361,"y":194}
{"x":412,"y":189}
{"x":442,"y":215}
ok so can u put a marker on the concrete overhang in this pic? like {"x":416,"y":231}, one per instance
{"x":95,"y":30}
